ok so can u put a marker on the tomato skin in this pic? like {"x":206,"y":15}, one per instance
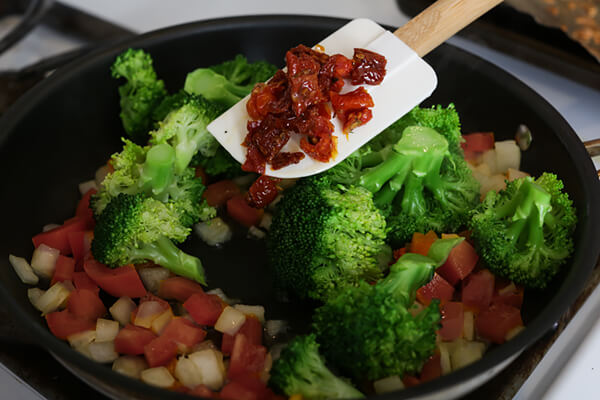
{"x":252,"y":329}
{"x":262,"y":192}
{"x":131,"y":340}
{"x":204,"y":309}
{"x":178,"y":288}
{"x":183,"y":331}
{"x":85,"y":303}
{"x":436,"y":288}
{"x":246,"y":358}
{"x":238,"y":209}
{"x":237,"y":391}
{"x":81,"y":280}
{"x":217,"y":194}
{"x":512,"y":298}
{"x":57,"y":238}
{"x":421,"y":243}
{"x":432,"y":368}
{"x":160,"y":351}
{"x":461,"y":261}
{"x":83,"y":208}
{"x":478,"y":142}
{"x":81,"y":244}
{"x":63,"y":324}
{"x":63,"y":271}
{"x":410,"y":380}
{"x":478,"y":290}
{"x":452,"y":321}
{"x":118,"y":282}
{"x":495,"y":322}
{"x":203,"y":391}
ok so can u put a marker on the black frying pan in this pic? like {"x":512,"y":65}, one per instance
{"x":60,"y":132}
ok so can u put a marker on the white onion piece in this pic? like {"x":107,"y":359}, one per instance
{"x":468,"y":325}
{"x":210,"y":364}
{"x":147,"y":312}
{"x":266,"y":221}
{"x":494,"y":182}
{"x":214,"y":232}
{"x":466,"y":353}
{"x":489,"y":158}
{"x":159,"y":376}
{"x":204,"y":345}
{"x":277,"y":199}
{"x":53,"y":299}
{"x":152,"y":276}
{"x":389,"y":384}
{"x":23,"y":270}
{"x":106,"y":330}
{"x":43,"y":260}
{"x":34,"y":294}
{"x":121,"y":310}
{"x":230,"y":321}
{"x":219,"y":292}
{"x":445,"y":359}
{"x":84,"y":187}
{"x":514,"y":332}
{"x":103,"y":352}
{"x":49,"y":227}
{"x":160,"y":323}
{"x":256,"y":233}
{"x":101,"y":174}
{"x":131,"y":366}
{"x":275,"y":327}
{"x":187,"y":373}
{"x":257,"y":311}
{"x":81,"y":339}
{"x":513,"y":174}
{"x":508,"y":155}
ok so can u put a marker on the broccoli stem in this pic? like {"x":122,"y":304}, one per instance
{"x":157,"y":171}
{"x":164,"y":253}
{"x":374,"y":178}
{"x":409,"y":273}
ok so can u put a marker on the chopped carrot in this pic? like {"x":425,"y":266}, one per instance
{"x":421,"y":243}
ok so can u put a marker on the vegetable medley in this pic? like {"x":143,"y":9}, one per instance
{"x":417,"y":251}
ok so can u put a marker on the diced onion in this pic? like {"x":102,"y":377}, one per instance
{"x":81,"y":339}
{"x":275,"y":327}
{"x":187,"y":372}
{"x":468,"y":325}
{"x":508,"y":155}
{"x":219,"y":292}
{"x":494,"y":182}
{"x":53,"y":299}
{"x":204,"y":345}
{"x":159,"y":376}
{"x":23,"y":270}
{"x":256,"y":233}
{"x":160,"y":323}
{"x":445,"y":359}
{"x":34,"y":294}
{"x":466,"y":353}
{"x":103,"y":352}
{"x":230,"y":321}
{"x":152,"y":276}
{"x":121,"y":310}
{"x":257,"y":311}
{"x":101,"y":174}
{"x":43,"y":260}
{"x":106,"y":330}
{"x":84,"y":187}
{"x":131,"y":366}
{"x":210,"y":364}
{"x":49,"y":227}
{"x":266,"y":220}
{"x":389,"y":384}
{"x":147,"y":312}
{"x":514,"y":332}
{"x":489,"y":158}
{"x":513,"y":174}
{"x":214,"y":232}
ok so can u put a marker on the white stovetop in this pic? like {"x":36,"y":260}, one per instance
{"x":570,"y":369}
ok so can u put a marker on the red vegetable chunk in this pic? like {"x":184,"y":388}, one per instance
{"x":240,"y":210}
{"x":85,"y":303}
{"x":437,"y":288}
{"x":83,"y":208}
{"x":160,"y":351}
{"x":478,"y":290}
{"x":432,"y":368}
{"x":452,"y":321}
{"x":63,"y":324}
{"x":205,"y":309}
{"x":461,"y":261}
{"x":262,"y":192}
{"x":81,"y":244}
{"x":246,"y":358}
{"x":121,"y":281}
{"x":217,"y":194}
{"x":495,"y":322}
{"x":58,"y":238}
{"x":510,"y":297}
{"x":478,"y":142}
{"x":132,"y":339}
{"x":81,"y":280}
{"x":252,"y":329}
{"x":237,"y":391}
{"x":183,"y":331}
{"x":63,"y":271}
{"x":369,"y":67}
{"x":178,"y":288}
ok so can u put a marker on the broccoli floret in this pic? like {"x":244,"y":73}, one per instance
{"x":324,"y":238}
{"x":184,"y":129}
{"x":417,"y":181}
{"x":222,"y":165}
{"x":142,"y":92}
{"x":369,"y":332}
{"x":136,"y":228}
{"x":229,"y":82}
{"x":525,"y":232}
{"x":301,"y":370}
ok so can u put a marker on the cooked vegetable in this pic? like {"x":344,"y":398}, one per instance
{"x":525,"y":232}
{"x":368,"y":331}
{"x":142,"y":92}
{"x":324,"y":239}
{"x":301,"y":370}
{"x":134,"y":228}
{"x":23,"y":270}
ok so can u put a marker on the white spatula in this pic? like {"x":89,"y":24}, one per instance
{"x":409,"y":79}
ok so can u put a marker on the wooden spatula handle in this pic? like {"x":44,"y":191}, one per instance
{"x":440,"y":21}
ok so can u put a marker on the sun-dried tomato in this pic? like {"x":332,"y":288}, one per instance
{"x":303,"y":77}
{"x":333,"y":73}
{"x":356,"y":118}
{"x":283,"y":159}
{"x":262,"y":192}
{"x":369,"y":67}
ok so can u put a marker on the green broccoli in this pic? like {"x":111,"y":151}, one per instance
{"x":324,"y":238}
{"x":136,"y":228}
{"x":421,"y":181}
{"x":301,"y":370}
{"x":369,"y":332}
{"x":525,"y":232}
{"x":229,"y":82}
{"x":221,"y":165}
{"x":142,"y":92}
{"x":184,"y":128}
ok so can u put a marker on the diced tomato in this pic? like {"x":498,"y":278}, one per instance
{"x":461,"y":261}
{"x":246,"y":358}
{"x":63,"y":324}
{"x":178,"y":288}
{"x":131,"y":339}
{"x":81,"y":244}
{"x":203,"y":391}
{"x":81,"y":280}
{"x":256,"y":385}
{"x":238,"y":209}
{"x":421,"y":243}
{"x":452,"y":321}
{"x":495,"y":322}
{"x":237,"y":391}
{"x":183,"y":331}
{"x":478,"y":289}
{"x":252,"y":329}
{"x":431,"y":369}
{"x":118,"y":282}
{"x":410,"y":380}
{"x":217,"y":194}
{"x":478,"y":142}
{"x":160,"y":351}
{"x":57,"y":238}
{"x":204,"y":308}
{"x":510,"y":297}
{"x":63,"y":271}
{"x":262,"y":192}
{"x":399,"y":253}
{"x":83,"y":208}
{"x":85,"y":303}
{"x":151,"y":297}
{"x":437,"y":288}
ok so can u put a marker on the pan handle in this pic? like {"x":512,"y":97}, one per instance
{"x":593,"y":149}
